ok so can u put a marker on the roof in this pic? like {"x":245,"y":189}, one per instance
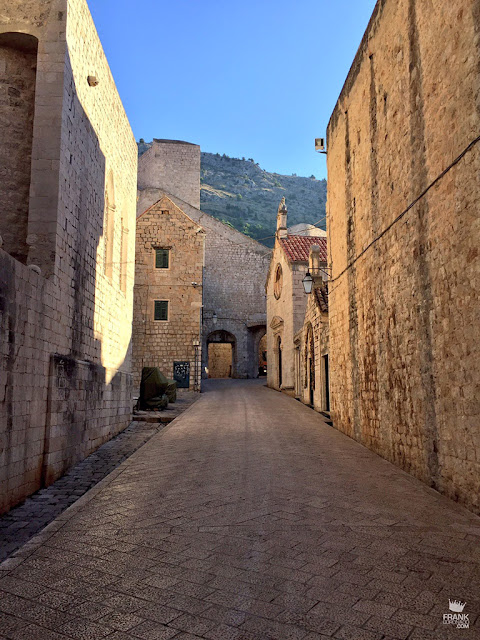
{"x":297,"y":248}
{"x":166,"y":141}
{"x":321,"y":297}
{"x":305,"y":229}
{"x":165,"y":197}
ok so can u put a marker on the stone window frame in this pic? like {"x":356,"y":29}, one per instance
{"x":162,"y":248}
{"x":167,"y":319}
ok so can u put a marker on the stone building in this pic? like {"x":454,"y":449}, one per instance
{"x":403,"y":225}
{"x":169,"y":256}
{"x":67,"y":195}
{"x":287,"y":302}
{"x":234,"y":313}
{"x":311,"y":342}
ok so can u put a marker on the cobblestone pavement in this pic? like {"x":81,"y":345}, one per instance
{"x":24,"y":521}
{"x":248,"y":518}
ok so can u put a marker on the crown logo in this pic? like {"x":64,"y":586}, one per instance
{"x":456,"y":605}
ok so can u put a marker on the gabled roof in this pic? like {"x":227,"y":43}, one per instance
{"x":297,"y":248}
{"x":166,"y":199}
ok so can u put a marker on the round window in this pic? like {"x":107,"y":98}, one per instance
{"x":277,"y":286}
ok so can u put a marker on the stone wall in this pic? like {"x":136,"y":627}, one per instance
{"x":66,"y":307}
{"x":311,"y":345}
{"x":285,"y":317}
{"x":404,"y":295}
{"x":18,"y":62}
{"x":234,"y":273}
{"x":174,"y":167}
{"x":158,"y":343}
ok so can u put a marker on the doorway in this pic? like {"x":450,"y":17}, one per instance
{"x":221,"y":353}
{"x":279,"y":351}
{"x":220,"y":360}
{"x":312,"y":380}
{"x":327,"y":383}
{"x":262,"y":356}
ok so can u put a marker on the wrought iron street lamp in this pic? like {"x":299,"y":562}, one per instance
{"x":307,"y":283}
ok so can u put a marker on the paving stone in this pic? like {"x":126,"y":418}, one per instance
{"x":348,"y":632}
{"x":150,"y":630}
{"x":374,"y":608}
{"x":394,"y":629}
{"x":30,"y":517}
{"x":192,"y":624}
{"x":210,"y":528}
{"x":34,"y":632}
{"x":81,"y":629}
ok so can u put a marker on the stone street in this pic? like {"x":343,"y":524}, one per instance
{"x":248,"y":518}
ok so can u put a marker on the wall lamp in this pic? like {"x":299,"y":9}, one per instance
{"x":308,"y":278}
{"x":307,"y":283}
{"x":320,"y":145}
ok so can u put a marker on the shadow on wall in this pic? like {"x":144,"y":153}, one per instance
{"x":18,"y":63}
{"x":60,"y":398}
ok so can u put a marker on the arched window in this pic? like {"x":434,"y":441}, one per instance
{"x":18,"y":62}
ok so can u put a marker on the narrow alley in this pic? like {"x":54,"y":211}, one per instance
{"x":248,"y":518}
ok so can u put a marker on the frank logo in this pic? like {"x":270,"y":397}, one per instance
{"x":456,"y":605}
{"x":457,"y":618}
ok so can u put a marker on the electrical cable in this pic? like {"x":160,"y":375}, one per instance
{"x":405,"y":211}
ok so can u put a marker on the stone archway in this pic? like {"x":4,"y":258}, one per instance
{"x":221,"y":354}
{"x":262,"y":355}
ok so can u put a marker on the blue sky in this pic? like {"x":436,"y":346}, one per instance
{"x":254,"y":78}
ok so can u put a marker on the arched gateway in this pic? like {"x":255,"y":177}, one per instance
{"x":222,"y":354}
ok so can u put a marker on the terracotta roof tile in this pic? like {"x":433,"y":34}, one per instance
{"x":321,"y":296}
{"x":297,"y":248}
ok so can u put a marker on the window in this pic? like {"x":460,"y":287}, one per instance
{"x":277,"y":285}
{"x":161,"y":258}
{"x":161,"y":310}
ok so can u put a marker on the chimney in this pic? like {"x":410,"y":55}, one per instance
{"x":282,"y":219}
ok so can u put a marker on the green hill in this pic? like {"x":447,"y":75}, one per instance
{"x":240,"y":193}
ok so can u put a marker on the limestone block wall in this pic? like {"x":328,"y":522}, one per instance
{"x":233,"y":284}
{"x":234,"y":280}
{"x":158,"y":343}
{"x":78,"y":309}
{"x":174,"y":167}
{"x":403,"y":316}
{"x":315,"y":331}
{"x":290,"y":309}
